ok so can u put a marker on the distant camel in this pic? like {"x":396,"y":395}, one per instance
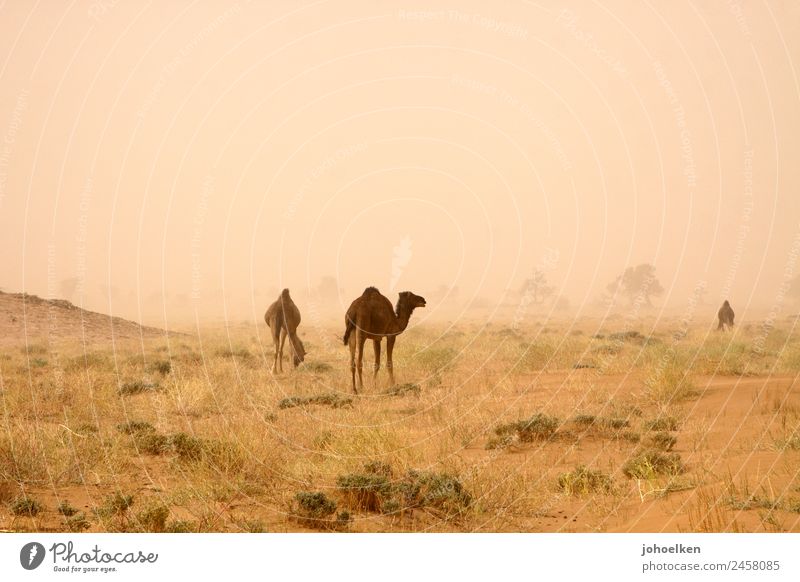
{"x":283,"y":317}
{"x":725,"y":315}
{"x":371,"y":317}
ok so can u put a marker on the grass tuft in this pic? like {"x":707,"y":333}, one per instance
{"x":584,"y":481}
{"x":538,"y":427}
{"x":331,"y":399}
{"x":138,"y":387}
{"x":25,"y":506}
{"x":403,"y":389}
{"x":650,"y":463}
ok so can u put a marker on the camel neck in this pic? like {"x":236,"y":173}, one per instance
{"x":403,"y":314}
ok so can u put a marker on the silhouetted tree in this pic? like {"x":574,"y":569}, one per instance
{"x":327,"y":289}
{"x":536,"y":287}
{"x":636,"y":284}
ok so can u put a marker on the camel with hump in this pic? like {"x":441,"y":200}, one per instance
{"x":725,"y":316}
{"x":283,"y":317}
{"x":372,"y":317}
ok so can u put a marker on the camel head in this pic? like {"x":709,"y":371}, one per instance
{"x":409,"y":301}
{"x":298,"y":351}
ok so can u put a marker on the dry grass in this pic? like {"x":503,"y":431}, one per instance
{"x":487,"y":429}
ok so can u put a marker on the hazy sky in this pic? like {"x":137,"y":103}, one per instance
{"x":173,"y":157}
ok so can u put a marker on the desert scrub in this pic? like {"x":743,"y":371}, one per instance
{"x":74,"y":520}
{"x":436,"y":359}
{"x":650,"y":463}
{"x":316,"y":510}
{"x":162,"y":367}
{"x":584,"y":481}
{"x":669,"y":379}
{"x":77,"y":523}
{"x":331,"y":399}
{"x":238,"y":354}
{"x":368,"y":490}
{"x":601,"y":422}
{"x":441,"y":491}
{"x":373,"y":490}
{"x":180,"y":526}
{"x":662,"y":441}
{"x":315,"y":367}
{"x":152,"y":519}
{"x":135,"y":426}
{"x":115,"y":504}
{"x":138,"y":387}
{"x":222,"y":455}
{"x":548,"y":354}
{"x":662,"y":423}
{"x":25,"y":506}
{"x":365,"y":491}
{"x":538,"y":427}
{"x":403,"y":389}
{"x":792,"y":443}
{"x":721,"y":356}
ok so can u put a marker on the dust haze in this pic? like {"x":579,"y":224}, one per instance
{"x":185,"y":162}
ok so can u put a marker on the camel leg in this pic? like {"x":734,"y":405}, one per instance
{"x":361,"y":338}
{"x":376,"y":344}
{"x":352,"y":346}
{"x":389,"y":362}
{"x":280,"y":356}
{"x":276,"y":343}
{"x":720,"y":326}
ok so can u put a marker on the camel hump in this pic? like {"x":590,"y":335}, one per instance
{"x":285,"y":293}
{"x":370,"y":290}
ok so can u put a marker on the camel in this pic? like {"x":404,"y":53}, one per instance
{"x":371,"y":316}
{"x":283,"y":317}
{"x":725,"y":315}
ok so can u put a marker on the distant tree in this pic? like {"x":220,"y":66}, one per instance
{"x":635,"y":284}
{"x":327,"y":289}
{"x":536,"y":287}
{"x":561,"y":303}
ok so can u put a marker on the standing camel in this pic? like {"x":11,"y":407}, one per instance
{"x":371,"y":316}
{"x":725,"y":316}
{"x":283,"y":317}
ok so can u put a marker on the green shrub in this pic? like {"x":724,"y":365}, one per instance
{"x":331,"y":399}
{"x":315,"y":509}
{"x":663,"y":441}
{"x":650,"y":463}
{"x":365,"y":491}
{"x":153,"y":518}
{"x":403,"y":389}
{"x":26,"y":506}
{"x":116,"y":504}
{"x":162,"y":367}
{"x":662,"y":423}
{"x":65,"y":509}
{"x":77,"y":523}
{"x":138,"y":387}
{"x":135,"y":426}
{"x":583,"y":481}
{"x":538,"y":427}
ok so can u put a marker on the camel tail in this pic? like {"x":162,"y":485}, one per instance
{"x":347,"y":331}
{"x":297,"y":345}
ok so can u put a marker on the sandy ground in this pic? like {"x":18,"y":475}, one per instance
{"x":28,"y":316}
{"x":736,"y":414}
